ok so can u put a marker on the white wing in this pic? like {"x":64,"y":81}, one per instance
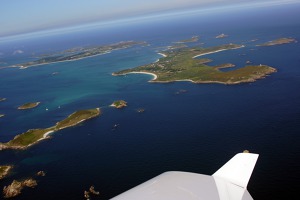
{"x":228,"y":183}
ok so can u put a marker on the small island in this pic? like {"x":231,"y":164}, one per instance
{"x":2,"y":99}
{"x":4,"y":170}
{"x":33,"y":136}
{"x":278,"y":42}
{"x":119,"y":104}
{"x":184,"y":65}
{"x":2,"y":115}
{"x":78,"y":53}
{"x":15,"y":188}
{"x":193,"y":39}
{"x":28,"y":105}
{"x":221,"y":36}
{"x":91,"y":191}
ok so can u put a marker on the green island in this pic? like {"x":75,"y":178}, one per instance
{"x":119,"y":104}
{"x":2,"y":115}
{"x":278,"y":42}
{"x":28,"y":105}
{"x":4,"y":170}
{"x":2,"y":99}
{"x":181,"y":65}
{"x":78,"y":53}
{"x":33,"y":136}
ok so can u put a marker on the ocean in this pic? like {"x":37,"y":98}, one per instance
{"x":185,"y":126}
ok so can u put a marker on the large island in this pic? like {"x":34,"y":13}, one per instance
{"x":33,"y":136}
{"x":78,"y":53}
{"x":183,"y":65}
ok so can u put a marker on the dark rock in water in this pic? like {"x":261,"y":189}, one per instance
{"x":92,"y":190}
{"x":41,"y":173}
{"x":140,"y":110}
{"x":87,"y":194}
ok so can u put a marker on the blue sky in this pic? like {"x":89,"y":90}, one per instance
{"x":24,"y":16}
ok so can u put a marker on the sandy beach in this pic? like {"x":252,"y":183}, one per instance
{"x":152,"y":74}
{"x":164,"y":55}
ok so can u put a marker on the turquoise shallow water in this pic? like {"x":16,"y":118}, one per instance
{"x":197,"y":131}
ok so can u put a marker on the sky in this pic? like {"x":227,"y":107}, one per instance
{"x":25,"y":16}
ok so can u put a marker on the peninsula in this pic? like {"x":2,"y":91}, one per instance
{"x":181,"y":65}
{"x":278,"y":42}
{"x":119,"y":104}
{"x":4,"y":170}
{"x":33,"y":136}
{"x":28,"y":105}
{"x":78,"y":53}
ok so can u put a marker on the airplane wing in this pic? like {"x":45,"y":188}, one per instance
{"x":228,"y":183}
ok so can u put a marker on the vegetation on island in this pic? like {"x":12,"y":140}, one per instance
{"x":278,"y":42}
{"x":32,"y":136}
{"x":180,"y":64}
{"x":2,"y":115}
{"x":4,"y":170}
{"x":119,"y":104}
{"x":78,"y":53}
{"x":28,"y":105}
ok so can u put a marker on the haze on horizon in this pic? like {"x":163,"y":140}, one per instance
{"x":19,"y":16}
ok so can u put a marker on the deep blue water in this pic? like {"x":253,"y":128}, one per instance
{"x":196,"y":131}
